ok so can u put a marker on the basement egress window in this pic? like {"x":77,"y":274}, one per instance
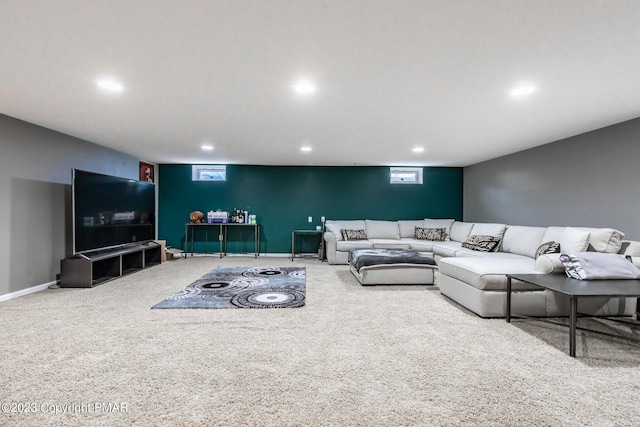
{"x":405,"y":175}
{"x":208,"y":173}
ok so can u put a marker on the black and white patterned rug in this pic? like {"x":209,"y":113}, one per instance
{"x":243,"y":287}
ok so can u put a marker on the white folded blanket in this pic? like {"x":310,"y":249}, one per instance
{"x":598,"y":266}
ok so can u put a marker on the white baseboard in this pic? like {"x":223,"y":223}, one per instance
{"x":23,"y":292}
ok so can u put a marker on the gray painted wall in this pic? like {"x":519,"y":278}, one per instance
{"x":35,"y":194}
{"x":586,"y":180}
{"x":590,"y":180}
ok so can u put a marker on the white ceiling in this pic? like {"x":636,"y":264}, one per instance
{"x":391,"y":75}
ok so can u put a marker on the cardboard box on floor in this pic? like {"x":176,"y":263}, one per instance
{"x":167,"y":253}
{"x":172,"y":253}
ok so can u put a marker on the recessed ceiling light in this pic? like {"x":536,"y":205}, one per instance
{"x":305,"y":148}
{"x":207,"y":147}
{"x":110,"y":85}
{"x":523,"y":90}
{"x":418,"y":149}
{"x":304,"y":87}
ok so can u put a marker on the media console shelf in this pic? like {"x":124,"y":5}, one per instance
{"x":90,"y":269}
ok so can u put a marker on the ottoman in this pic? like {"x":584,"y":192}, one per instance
{"x":391,"y":267}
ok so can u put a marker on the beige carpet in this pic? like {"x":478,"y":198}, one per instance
{"x":352,"y":356}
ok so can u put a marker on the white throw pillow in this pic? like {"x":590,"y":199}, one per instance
{"x":574,"y":240}
{"x":522,"y":240}
{"x":606,"y":240}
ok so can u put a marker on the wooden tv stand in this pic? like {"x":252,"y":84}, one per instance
{"x":90,"y":269}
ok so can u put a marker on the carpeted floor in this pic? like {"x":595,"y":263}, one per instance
{"x":352,"y":356}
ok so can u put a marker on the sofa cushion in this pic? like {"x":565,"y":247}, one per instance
{"x":336,"y":226}
{"x":470,"y":253}
{"x":481,"y":243}
{"x":553,"y":234}
{"x":439,"y":223}
{"x":522,"y":240}
{"x":346,"y":245}
{"x":408,"y":227}
{"x":390,"y":243}
{"x":493,"y":255}
{"x":446,"y":249}
{"x":382,"y":229}
{"x":487,"y":229}
{"x":460,"y":231}
{"x":607,"y":240}
{"x":460,"y":252}
{"x":420,"y":245}
{"x":353,"y":234}
{"x":488,"y":273}
{"x":433,"y":234}
{"x":574,"y":240}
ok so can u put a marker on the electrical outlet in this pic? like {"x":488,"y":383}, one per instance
{"x":310,"y":219}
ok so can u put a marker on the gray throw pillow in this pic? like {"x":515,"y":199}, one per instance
{"x":353,"y":234}
{"x":481,"y":243}
{"x":548,"y":248}
{"x":433,"y":234}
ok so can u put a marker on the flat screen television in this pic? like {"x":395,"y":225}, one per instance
{"x":110,"y":211}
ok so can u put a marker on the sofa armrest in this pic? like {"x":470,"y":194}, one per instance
{"x":549,"y":263}
{"x":330,"y":247}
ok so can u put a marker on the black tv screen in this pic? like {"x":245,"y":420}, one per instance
{"x":110,"y":211}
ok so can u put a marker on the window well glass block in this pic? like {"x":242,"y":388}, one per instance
{"x":209,"y":173}
{"x":405,"y":175}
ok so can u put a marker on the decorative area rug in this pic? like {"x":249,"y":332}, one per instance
{"x":243,"y":287}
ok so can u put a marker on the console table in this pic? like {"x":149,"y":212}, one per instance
{"x":222,"y":235}
{"x":86,"y":270}
{"x":575,"y":289}
{"x":294,"y":233}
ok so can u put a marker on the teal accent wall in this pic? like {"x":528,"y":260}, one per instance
{"x":283,"y":197}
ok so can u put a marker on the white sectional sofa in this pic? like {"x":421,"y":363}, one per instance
{"x":380,"y":234}
{"x":476,"y":279}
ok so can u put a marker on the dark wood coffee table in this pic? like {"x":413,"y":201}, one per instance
{"x":575,"y":289}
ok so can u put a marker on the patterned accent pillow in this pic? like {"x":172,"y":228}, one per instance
{"x":353,"y":234}
{"x":548,"y":248}
{"x":481,"y":243}
{"x":433,"y":234}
